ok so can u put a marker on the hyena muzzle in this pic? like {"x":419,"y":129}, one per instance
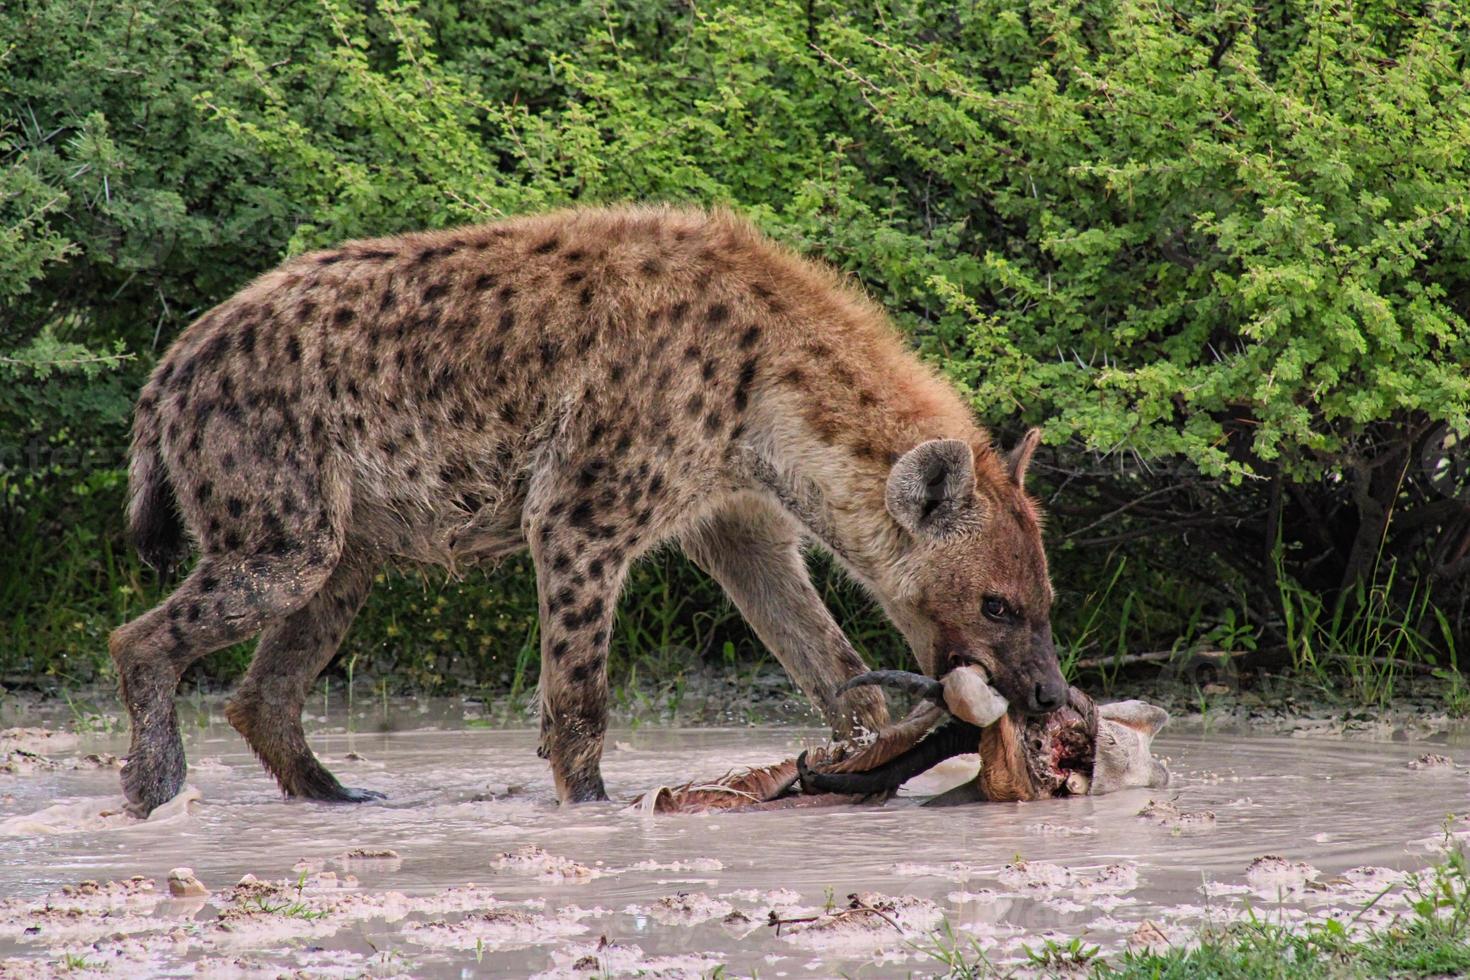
{"x":586,"y":384}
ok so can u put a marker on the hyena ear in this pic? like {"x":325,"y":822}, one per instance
{"x":1137,"y":715}
{"x":931,"y":489}
{"x":1020,"y":456}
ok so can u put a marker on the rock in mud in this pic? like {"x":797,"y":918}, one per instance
{"x":20,"y":762}
{"x":692,"y":864}
{"x":1114,"y":878}
{"x":609,"y":959}
{"x":264,"y":914}
{"x":1148,"y":936}
{"x":1166,"y":813}
{"x":85,"y":912}
{"x":1060,"y":830}
{"x":1035,"y":876}
{"x":967,"y":897}
{"x":532,"y":860}
{"x":1271,"y":875}
{"x":251,"y":889}
{"x":375,"y":858}
{"x":954,"y":870}
{"x":687,"y":909}
{"x":763,"y":903}
{"x":1099,"y":888}
{"x":23,"y":762}
{"x":495,"y":929}
{"x":868,"y":920}
{"x":1365,"y":883}
{"x":183,"y":884}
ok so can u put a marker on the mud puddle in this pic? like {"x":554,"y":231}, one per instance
{"x":470,"y":869}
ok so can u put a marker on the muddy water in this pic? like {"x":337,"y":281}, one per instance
{"x":470,"y":868}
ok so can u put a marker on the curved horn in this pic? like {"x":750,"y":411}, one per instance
{"x":915,"y":684}
{"x":891,"y":742}
{"x":953,"y":738}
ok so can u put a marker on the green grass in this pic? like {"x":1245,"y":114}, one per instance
{"x":292,"y":910}
{"x":295,"y":908}
{"x":1371,"y":638}
{"x":1431,"y":938}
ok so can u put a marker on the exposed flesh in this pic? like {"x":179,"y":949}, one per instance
{"x":1031,"y":758}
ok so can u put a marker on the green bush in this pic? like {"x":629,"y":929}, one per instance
{"x":1218,"y":251}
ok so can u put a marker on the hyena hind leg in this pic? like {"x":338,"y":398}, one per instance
{"x":266,"y":707}
{"x":225,"y":599}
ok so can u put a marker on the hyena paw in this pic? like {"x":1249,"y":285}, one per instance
{"x":584,"y":791}
{"x":152,"y":778}
{"x":311,"y":781}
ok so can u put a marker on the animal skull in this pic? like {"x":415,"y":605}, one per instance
{"x":1079,"y":749}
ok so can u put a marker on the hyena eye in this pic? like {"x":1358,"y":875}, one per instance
{"x":997,"y":609}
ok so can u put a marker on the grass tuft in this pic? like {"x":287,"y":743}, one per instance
{"x":1431,"y":938}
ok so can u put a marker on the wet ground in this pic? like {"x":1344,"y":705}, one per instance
{"x":470,"y":868}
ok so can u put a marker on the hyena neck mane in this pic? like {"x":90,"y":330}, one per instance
{"x":840,"y":502}
{"x":832,"y":445}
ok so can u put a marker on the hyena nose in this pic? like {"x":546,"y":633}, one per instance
{"x":1047,"y":697}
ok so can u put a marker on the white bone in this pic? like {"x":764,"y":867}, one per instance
{"x":969,"y":696}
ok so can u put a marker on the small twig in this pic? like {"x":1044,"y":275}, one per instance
{"x":776,"y":920}
{"x":879,"y":913}
{"x":863,"y":83}
{"x":1170,"y":488}
{"x":1151,"y":657}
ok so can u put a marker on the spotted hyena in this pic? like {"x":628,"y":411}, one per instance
{"x":586,"y":384}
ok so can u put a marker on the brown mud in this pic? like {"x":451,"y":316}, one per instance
{"x":470,"y":865}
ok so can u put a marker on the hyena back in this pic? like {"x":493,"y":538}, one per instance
{"x":586,"y":384}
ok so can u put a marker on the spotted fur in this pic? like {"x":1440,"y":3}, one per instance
{"x":586,"y":384}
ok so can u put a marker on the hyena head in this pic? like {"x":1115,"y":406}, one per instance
{"x":971,"y":585}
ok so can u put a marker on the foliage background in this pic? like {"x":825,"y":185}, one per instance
{"x":1218,"y":250}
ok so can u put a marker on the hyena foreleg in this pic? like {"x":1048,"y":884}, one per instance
{"x":754,"y":551}
{"x":579,"y":572}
